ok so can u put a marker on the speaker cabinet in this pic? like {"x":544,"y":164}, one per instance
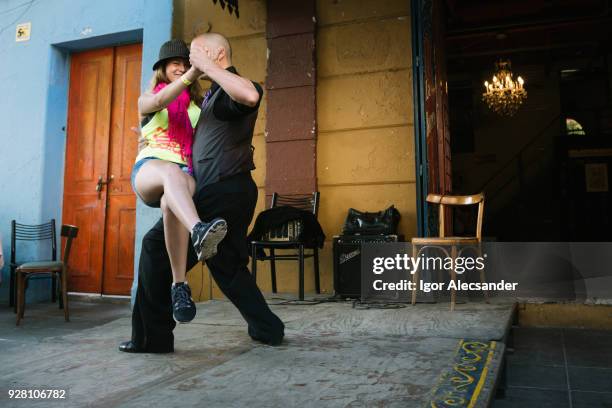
{"x":347,"y":261}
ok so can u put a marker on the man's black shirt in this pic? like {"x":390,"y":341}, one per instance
{"x":228,"y":109}
{"x":225,"y":107}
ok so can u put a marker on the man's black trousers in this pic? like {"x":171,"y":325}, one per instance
{"x":234,"y":200}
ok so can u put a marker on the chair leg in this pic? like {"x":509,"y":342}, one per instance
{"x":53,"y":288}
{"x":17,"y":301}
{"x":453,"y":277}
{"x":415,"y":275}
{"x":301,"y":278}
{"x":273,"y":270}
{"x":316,"y":269}
{"x":12,"y":289}
{"x":24,"y":289}
{"x":22,"y":282}
{"x":58,"y":293}
{"x":254,"y":262}
{"x":64,"y":299}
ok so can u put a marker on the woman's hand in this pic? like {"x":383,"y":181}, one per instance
{"x":150,"y":102}
{"x":192,"y":74}
{"x":239,"y":89}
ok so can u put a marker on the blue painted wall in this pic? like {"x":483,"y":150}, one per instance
{"x":34,"y":88}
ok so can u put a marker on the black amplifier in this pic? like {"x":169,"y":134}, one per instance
{"x":347,"y":261}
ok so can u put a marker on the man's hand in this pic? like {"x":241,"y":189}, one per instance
{"x":203,"y":58}
{"x":207,"y":59}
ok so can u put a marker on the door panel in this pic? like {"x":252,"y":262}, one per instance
{"x":89,"y":104}
{"x":121,"y":211}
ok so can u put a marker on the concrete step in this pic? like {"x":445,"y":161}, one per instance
{"x":477,"y":372}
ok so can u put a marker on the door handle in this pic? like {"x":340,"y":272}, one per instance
{"x":101,"y":183}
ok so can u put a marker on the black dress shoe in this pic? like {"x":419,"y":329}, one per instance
{"x":130,"y":347}
{"x":269,"y":342}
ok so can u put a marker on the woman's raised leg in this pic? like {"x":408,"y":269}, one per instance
{"x":150,"y":184}
{"x":178,"y":188}
{"x":150,"y":180}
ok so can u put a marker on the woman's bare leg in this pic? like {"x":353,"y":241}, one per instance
{"x":149,"y":183}
{"x":157,"y":177}
{"x":177,"y":239}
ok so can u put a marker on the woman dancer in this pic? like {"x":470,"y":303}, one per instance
{"x":162,"y":173}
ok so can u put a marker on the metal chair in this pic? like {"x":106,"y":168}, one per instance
{"x":54,"y":268}
{"x":22,"y":234}
{"x":288,"y":237}
{"x":442,"y":242}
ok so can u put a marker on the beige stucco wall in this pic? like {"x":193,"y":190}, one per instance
{"x":365,"y":145}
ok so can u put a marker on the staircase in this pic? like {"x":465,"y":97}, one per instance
{"x":522,"y":197}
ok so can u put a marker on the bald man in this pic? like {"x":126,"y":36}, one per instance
{"x":222,"y":164}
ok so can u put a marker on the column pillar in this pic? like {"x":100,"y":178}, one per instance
{"x":291,"y":128}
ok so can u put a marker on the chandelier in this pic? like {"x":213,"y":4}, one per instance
{"x":504,"y":95}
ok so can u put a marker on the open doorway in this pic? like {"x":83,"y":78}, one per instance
{"x":545,"y":169}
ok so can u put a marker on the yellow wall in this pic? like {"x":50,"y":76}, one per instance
{"x":582,"y":316}
{"x":365,"y":146}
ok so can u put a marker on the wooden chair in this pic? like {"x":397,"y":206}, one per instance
{"x":56,"y":268}
{"x":287,"y":237}
{"x":443,"y":243}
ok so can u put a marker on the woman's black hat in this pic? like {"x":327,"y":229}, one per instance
{"x":172,"y":49}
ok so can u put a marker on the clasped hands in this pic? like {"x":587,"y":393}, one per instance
{"x":203,"y":58}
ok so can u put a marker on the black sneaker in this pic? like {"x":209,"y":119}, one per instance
{"x":206,"y":236}
{"x":183,"y":308}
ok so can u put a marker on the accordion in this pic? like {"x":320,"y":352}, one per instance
{"x":289,"y":231}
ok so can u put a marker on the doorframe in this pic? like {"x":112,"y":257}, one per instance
{"x":420,"y":129}
{"x":56,"y":115}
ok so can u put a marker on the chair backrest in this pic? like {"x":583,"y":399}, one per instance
{"x":458,"y":200}
{"x":306,"y":202}
{"x":70,"y":232}
{"x":292,"y":230}
{"x":26,"y":232}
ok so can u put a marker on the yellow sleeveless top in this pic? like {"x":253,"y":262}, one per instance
{"x":158,"y":143}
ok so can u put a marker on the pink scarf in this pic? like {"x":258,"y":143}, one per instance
{"x":179,"y":124}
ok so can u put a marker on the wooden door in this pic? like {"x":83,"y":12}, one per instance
{"x":104,"y":89}
{"x":121,"y":210}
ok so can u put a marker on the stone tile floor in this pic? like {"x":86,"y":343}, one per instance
{"x":559,"y":368}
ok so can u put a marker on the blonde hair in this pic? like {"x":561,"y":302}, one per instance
{"x":159,"y":75}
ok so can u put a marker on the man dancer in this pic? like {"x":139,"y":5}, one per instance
{"x":222,"y":164}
